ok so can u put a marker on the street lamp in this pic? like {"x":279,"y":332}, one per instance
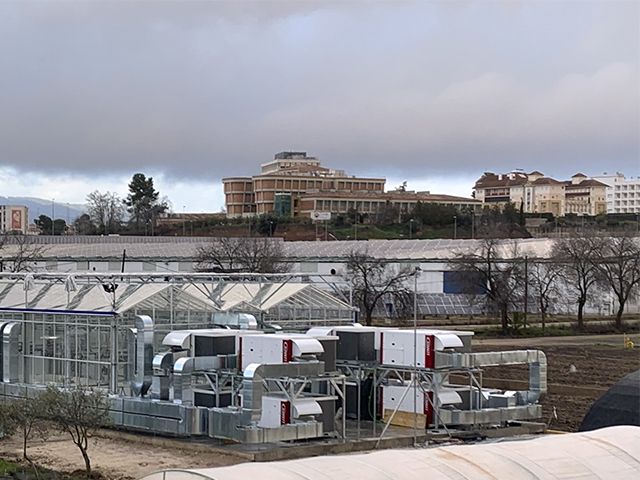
{"x":410,"y":228}
{"x":455,"y":227}
{"x":270,"y":228}
{"x":53,"y":216}
{"x":416,"y":272}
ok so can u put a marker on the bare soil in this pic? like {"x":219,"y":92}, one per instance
{"x":596,"y":368}
{"x":114,"y":457}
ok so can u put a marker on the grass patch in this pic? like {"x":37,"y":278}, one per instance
{"x":23,"y":471}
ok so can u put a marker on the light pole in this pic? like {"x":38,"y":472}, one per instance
{"x":184,"y":225}
{"x":416,"y":272}
{"x":270,"y":228}
{"x":53,"y":216}
{"x":355,"y":225}
{"x":411,"y":228}
{"x":455,"y":227}
{"x":473,"y":224}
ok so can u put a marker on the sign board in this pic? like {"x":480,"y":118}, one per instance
{"x":316,"y":215}
{"x":16,"y":219}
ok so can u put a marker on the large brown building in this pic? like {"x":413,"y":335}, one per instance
{"x":294,"y":184}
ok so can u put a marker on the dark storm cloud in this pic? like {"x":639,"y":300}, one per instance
{"x":210,"y":89}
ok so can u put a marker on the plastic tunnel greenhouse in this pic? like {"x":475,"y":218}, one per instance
{"x":611,"y":453}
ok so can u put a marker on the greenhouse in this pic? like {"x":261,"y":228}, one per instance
{"x":80,"y":329}
{"x":287,"y":304}
{"x":607,"y":453}
{"x":84,"y":334}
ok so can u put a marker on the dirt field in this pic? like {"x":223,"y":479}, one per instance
{"x":116,"y":457}
{"x":572,"y":393}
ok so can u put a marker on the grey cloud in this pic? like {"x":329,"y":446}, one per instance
{"x":203,"y":89}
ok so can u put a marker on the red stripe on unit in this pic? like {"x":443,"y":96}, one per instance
{"x":429,"y":351}
{"x":428,"y":407}
{"x":287,"y":350}
{"x":285,"y":412}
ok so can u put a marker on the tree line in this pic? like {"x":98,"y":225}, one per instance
{"x":508,"y":282}
{"x":108,"y":213}
{"x":576,"y":269}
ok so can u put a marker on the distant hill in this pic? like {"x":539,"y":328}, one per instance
{"x":39,"y":206}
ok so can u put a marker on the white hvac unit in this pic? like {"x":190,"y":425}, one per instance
{"x":277,"y":348}
{"x":392,"y":398}
{"x":398,"y":347}
{"x":278,"y":411}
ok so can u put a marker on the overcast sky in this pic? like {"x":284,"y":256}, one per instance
{"x":431,"y":92}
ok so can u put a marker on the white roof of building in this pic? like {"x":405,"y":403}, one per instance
{"x":80,"y":248}
{"x":612,"y":452}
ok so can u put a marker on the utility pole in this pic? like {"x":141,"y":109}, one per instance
{"x":415,"y":355}
{"x":53,"y":216}
{"x":473,"y":224}
{"x":355,"y":225}
{"x":526,"y":289}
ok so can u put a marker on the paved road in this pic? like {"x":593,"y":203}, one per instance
{"x":615,"y":340}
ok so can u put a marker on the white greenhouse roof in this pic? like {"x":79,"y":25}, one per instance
{"x":612,"y":452}
{"x":227,"y":296}
{"x":93,"y":299}
{"x":79,"y":248}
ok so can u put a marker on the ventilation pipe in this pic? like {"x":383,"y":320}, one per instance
{"x":11,"y":358}
{"x":144,"y":355}
{"x":536,"y":359}
{"x":182,"y":390}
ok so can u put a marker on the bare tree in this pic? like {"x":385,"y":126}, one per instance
{"x":79,"y":412}
{"x":543,"y":283}
{"x":617,"y":264}
{"x":496,"y":271}
{"x":373,"y":279}
{"x":246,"y":254}
{"x":579,"y":272}
{"x":19,"y":253}
{"x":106,"y":211}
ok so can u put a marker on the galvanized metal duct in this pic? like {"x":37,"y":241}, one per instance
{"x":182,"y":390}
{"x":183,"y":368}
{"x":1,"y":343}
{"x":144,"y":355}
{"x":242,"y":321}
{"x":162,"y":366}
{"x":256,"y":373}
{"x":536,"y":359}
{"x":11,"y":358}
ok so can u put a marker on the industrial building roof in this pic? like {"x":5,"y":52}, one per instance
{"x":607,"y":453}
{"x":79,"y":248}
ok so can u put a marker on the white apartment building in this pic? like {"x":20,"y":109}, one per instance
{"x":14,"y":218}
{"x":623,"y":194}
